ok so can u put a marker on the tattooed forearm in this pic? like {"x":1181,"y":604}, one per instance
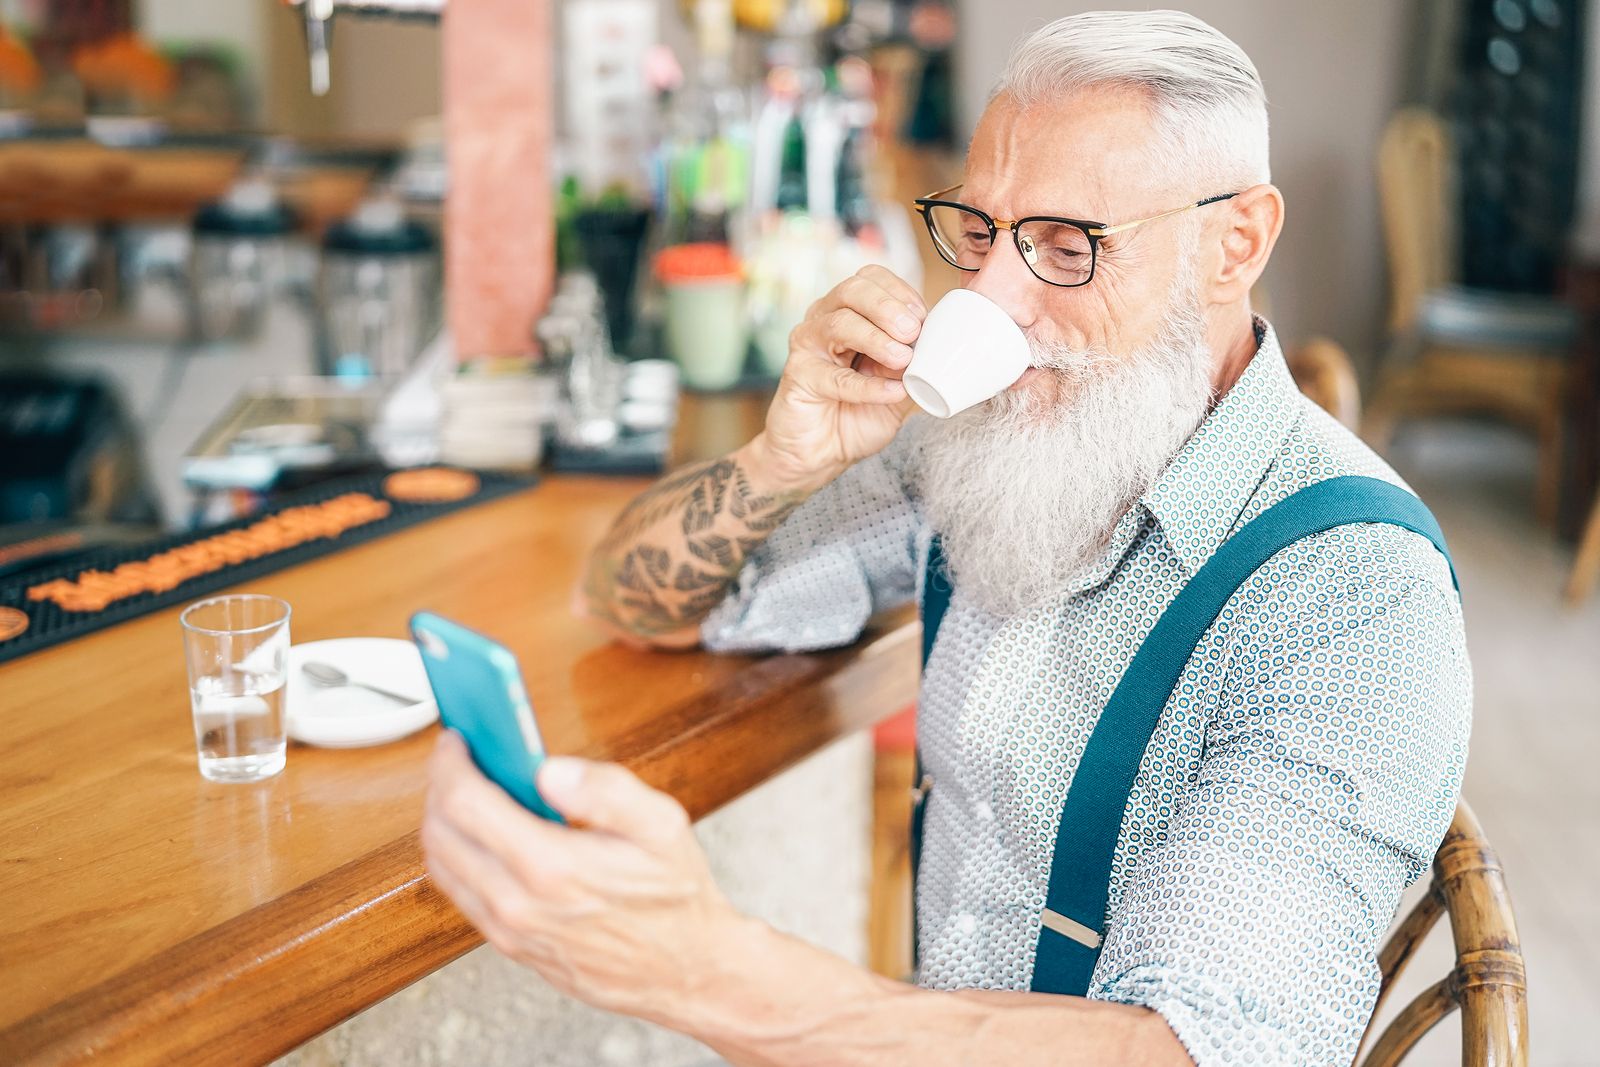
{"x":672,"y":555}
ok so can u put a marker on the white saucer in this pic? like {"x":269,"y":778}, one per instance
{"x":351,"y":717}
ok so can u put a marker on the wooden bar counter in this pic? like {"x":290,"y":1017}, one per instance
{"x":148,"y":916}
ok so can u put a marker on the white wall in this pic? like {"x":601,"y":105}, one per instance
{"x":227,"y":21}
{"x":1334,"y":72}
{"x":234,"y":23}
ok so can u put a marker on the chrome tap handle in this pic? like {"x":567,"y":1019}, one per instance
{"x":319,"y":27}
{"x":318,"y":12}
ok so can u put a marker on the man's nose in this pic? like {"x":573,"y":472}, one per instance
{"x":1005,"y":279}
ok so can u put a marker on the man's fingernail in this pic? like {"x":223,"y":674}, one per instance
{"x":906,"y":324}
{"x":561,"y":774}
{"x":916,"y":310}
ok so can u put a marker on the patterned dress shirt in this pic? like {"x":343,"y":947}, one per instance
{"x":1303,"y":771}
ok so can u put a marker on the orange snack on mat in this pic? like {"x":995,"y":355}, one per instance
{"x":430,"y":485}
{"x":94,"y":589}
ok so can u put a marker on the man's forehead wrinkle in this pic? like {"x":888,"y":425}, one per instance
{"x":1013,"y":174}
{"x":998,"y":149}
{"x":1014,"y":192}
{"x":1092,"y":163}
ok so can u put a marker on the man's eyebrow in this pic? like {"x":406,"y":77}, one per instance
{"x":973,"y":198}
{"x":1053,"y":210}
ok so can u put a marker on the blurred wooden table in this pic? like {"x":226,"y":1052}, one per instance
{"x":148,"y":916}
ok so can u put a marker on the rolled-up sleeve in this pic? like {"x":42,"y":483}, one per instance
{"x":846,"y":553}
{"x":1328,"y":779}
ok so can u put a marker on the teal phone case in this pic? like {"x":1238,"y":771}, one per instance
{"x":480,"y":694}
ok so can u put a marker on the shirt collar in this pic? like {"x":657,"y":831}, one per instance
{"x":1200,"y":497}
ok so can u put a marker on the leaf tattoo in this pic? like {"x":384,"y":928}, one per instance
{"x":672,"y":555}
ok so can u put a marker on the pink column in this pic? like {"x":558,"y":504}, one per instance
{"x":499,"y":113}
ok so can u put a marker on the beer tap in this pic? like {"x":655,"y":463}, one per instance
{"x":319,"y":26}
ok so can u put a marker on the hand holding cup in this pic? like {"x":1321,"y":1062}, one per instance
{"x":840,"y":398}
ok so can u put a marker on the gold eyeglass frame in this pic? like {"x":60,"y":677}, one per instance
{"x":1095,"y":231}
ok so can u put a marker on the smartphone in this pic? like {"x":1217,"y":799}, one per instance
{"x":479,"y":689}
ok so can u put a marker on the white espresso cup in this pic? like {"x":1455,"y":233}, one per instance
{"x":969,"y":350}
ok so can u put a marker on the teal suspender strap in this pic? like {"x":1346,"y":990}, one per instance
{"x":1074,"y":917}
{"x":935,"y":598}
{"x":935,"y":602}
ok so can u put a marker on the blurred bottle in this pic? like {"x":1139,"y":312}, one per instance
{"x":706,"y":150}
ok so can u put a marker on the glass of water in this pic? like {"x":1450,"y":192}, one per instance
{"x":238,"y":650}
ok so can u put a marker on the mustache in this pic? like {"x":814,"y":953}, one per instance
{"x":1070,"y":360}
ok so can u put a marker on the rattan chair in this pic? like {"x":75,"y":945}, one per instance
{"x":1487,"y":983}
{"x":1455,"y":349}
{"x":1586,"y":564}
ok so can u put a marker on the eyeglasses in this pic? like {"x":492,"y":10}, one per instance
{"x":1058,"y":251}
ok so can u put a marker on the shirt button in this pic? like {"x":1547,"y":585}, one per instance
{"x":966,"y":924}
{"x":983,"y":811}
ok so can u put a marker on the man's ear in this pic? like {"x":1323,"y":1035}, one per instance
{"x":1251,"y":225}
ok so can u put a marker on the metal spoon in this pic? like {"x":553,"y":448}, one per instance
{"x":326,"y":674}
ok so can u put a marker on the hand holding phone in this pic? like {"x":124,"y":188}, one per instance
{"x":480,"y":694}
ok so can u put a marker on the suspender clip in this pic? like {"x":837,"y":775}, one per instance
{"x":1071,"y":929}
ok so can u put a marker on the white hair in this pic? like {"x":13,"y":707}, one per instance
{"x":1204,"y":92}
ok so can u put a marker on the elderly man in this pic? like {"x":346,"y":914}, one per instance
{"x":1176,"y":779}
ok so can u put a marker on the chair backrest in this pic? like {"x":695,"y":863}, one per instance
{"x":1322,"y":369}
{"x":1488,"y":983}
{"x":1415,"y":184}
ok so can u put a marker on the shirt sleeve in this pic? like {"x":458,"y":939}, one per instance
{"x":848,"y":552}
{"x":1328,"y":779}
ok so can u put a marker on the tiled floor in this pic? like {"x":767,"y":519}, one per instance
{"x":1533,"y":775}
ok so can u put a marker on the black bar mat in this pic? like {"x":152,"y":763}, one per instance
{"x":630,"y":456}
{"x":80,"y":595}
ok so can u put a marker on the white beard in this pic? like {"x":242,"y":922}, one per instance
{"x":1024,"y":496}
